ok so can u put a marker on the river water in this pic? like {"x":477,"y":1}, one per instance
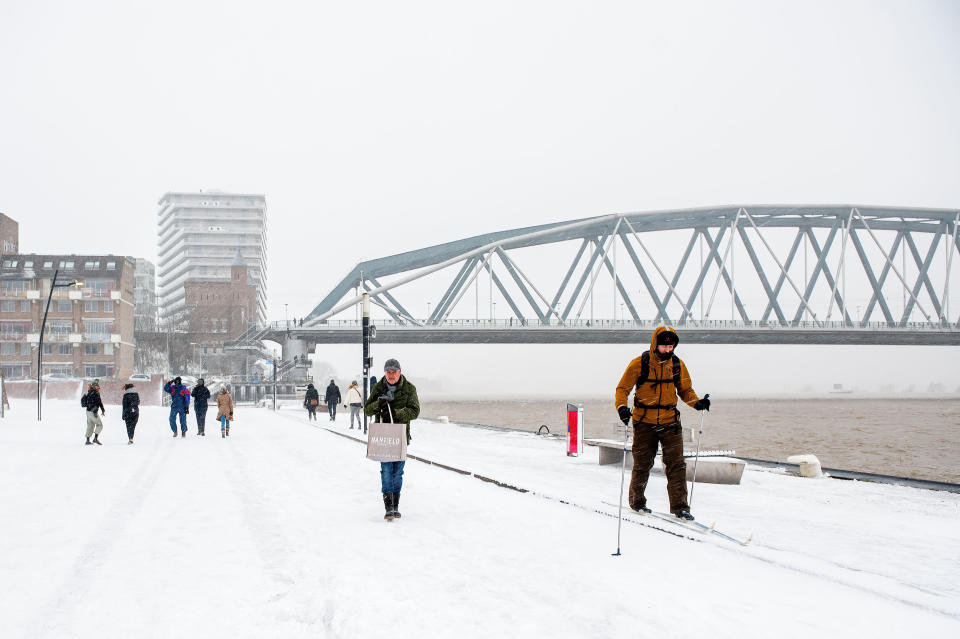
{"x":915,"y":437}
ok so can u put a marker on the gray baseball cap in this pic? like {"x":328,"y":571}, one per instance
{"x":391,"y":365}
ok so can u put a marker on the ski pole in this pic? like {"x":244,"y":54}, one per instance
{"x":623,"y":467}
{"x":697,"y":458}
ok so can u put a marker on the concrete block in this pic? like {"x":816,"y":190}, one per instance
{"x":716,"y":470}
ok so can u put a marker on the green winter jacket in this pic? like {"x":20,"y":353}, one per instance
{"x":405,"y":405}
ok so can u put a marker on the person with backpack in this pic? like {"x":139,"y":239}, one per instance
{"x":310,"y":401}
{"x":355,"y":401}
{"x":131,"y":410}
{"x":333,"y":398}
{"x":92,"y":403}
{"x":657,"y":378}
{"x":179,"y":405}
{"x":200,"y":396}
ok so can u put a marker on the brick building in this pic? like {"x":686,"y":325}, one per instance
{"x":9,"y":235}
{"x":89,"y":330}
{"x":220,"y":310}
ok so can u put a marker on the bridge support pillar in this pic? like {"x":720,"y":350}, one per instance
{"x":294,"y":347}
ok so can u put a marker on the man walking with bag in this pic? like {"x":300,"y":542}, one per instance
{"x":657,"y":377}
{"x":393,"y":400}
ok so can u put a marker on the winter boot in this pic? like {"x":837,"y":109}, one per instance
{"x":183,"y":434}
{"x":174,"y":433}
{"x":685,"y":514}
{"x":222,"y":435}
{"x":641,"y":509}
{"x":396,"y":502}
{"x":89,"y":443}
{"x":129,"y":442}
{"x":96,"y":440}
{"x":228,"y":431}
{"x":388,"y":506}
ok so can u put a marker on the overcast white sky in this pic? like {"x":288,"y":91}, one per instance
{"x":378,"y":127}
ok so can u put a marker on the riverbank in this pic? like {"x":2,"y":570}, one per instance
{"x":905,"y":437}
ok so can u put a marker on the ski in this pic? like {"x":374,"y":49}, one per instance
{"x":694,"y":526}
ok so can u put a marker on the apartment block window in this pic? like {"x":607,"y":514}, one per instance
{"x":24,"y":348}
{"x":65,"y":349}
{"x":98,"y":287}
{"x":64,"y":306}
{"x":108,"y":349}
{"x":28,"y":264}
{"x":15,"y":329}
{"x":48,"y":264}
{"x":91,"y":266}
{"x":24,"y":306}
{"x":111,"y":266}
{"x":8,"y":306}
{"x":20,"y":370}
{"x":91,"y":349}
{"x":91,"y":306}
{"x":97,"y":370}
{"x":12,"y":285}
{"x":67,"y":264}
{"x":48,"y":349}
{"x":58,"y":328}
{"x":9,"y":263}
{"x":107,"y":306}
{"x":8,"y":348}
{"x":98,"y":329}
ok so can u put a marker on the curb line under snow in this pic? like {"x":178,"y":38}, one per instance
{"x":518,"y":489}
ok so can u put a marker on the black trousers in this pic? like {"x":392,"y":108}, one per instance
{"x":131,"y":423}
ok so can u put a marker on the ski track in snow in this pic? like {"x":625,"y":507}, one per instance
{"x":278,"y":531}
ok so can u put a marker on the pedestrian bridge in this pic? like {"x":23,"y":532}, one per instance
{"x":834,"y":274}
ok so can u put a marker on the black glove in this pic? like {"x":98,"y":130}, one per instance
{"x":186,"y":410}
{"x":625,"y":414}
{"x":384,"y":403}
{"x":703,"y":404}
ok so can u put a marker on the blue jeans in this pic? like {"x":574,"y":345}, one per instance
{"x":391,"y":476}
{"x":224,"y":422}
{"x":182,"y":412}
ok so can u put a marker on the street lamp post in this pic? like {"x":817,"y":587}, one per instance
{"x":43,"y":325}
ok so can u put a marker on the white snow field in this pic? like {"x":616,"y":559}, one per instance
{"x":278,"y":531}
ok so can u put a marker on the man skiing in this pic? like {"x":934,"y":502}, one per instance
{"x":179,"y":405}
{"x":92,"y":402}
{"x":393,"y":400}
{"x":657,"y":377}
{"x":200,"y":396}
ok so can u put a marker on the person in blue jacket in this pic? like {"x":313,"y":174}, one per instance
{"x":179,"y":405}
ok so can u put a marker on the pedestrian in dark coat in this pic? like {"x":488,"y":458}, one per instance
{"x":310,"y":401}
{"x":179,"y":405}
{"x":92,"y":402}
{"x":333,"y":398}
{"x":393,"y":400}
{"x":131,"y":410}
{"x":200,"y":396}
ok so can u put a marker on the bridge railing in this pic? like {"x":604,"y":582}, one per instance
{"x":513,"y":323}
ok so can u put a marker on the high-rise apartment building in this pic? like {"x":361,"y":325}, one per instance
{"x":145,"y":296}
{"x":199,"y":236}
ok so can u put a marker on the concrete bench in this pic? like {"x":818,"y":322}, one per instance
{"x":714,"y":467}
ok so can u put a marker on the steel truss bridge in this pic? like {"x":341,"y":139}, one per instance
{"x":788,"y":274}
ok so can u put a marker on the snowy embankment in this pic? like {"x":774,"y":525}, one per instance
{"x":278,"y":531}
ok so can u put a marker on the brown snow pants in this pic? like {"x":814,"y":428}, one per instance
{"x":645,"y":441}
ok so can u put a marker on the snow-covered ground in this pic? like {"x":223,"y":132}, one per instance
{"x":278,"y":531}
